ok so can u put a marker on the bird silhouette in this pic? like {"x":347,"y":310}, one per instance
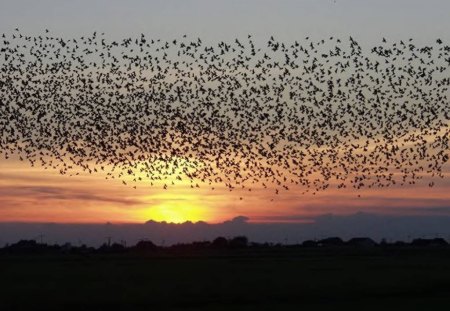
{"x":315,"y":114}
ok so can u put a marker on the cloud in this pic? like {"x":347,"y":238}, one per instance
{"x":24,"y":177}
{"x":388,"y":205}
{"x":59,"y":193}
{"x":238,"y":220}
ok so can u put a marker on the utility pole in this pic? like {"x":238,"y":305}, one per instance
{"x":41,"y":238}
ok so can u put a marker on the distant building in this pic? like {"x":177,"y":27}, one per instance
{"x":362,"y":242}
{"x":334,"y":241}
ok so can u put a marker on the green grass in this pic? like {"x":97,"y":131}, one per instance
{"x":286,"y":280}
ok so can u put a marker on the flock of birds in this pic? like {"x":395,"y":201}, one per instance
{"x":312,"y":114}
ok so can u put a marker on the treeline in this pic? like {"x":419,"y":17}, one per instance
{"x":220,"y":243}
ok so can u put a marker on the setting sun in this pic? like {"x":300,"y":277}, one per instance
{"x":177,"y":210}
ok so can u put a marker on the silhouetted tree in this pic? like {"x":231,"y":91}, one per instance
{"x":220,"y":242}
{"x":145,"y":246}
{"x":362,"y":242}
{"x":309,"y":243}
{"x":429,"y":242}
{"x":238,"y":242}
{"x":117,"y":248}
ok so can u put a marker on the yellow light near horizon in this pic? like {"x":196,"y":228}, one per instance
{"x":173,"y":204}
{"x":175,"y":212}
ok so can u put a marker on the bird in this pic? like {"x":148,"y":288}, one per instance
{"x":315,"y":114}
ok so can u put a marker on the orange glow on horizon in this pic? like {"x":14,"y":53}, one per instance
{"x":34,"y":194}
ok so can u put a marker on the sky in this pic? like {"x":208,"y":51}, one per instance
{"x":35,"y":194}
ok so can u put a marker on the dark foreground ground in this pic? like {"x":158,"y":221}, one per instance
{"x":283,"y":279}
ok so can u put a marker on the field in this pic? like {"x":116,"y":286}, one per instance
{"x":281,"y":279}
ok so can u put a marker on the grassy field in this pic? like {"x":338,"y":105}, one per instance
{"x":238,"y":280}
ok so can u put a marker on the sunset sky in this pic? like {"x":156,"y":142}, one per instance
{"x":35,"y":194}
